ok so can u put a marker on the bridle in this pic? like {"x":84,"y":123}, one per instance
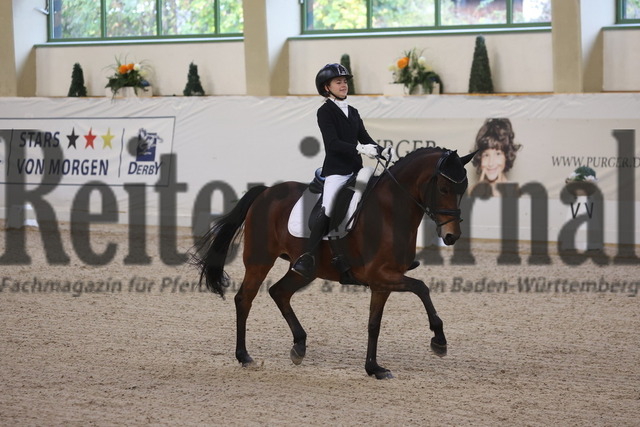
{"x":459,"y":187}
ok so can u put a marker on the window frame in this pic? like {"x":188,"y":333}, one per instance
{"x":158,"y":26}
{"x":620,"y":14}
{"x":437,"y":27}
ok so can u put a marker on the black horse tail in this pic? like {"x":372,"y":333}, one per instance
{"x":211,"y":250}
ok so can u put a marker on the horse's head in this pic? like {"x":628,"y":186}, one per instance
{"x":448,"y":185}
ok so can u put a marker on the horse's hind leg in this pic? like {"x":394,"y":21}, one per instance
{"x":281,"y":292}
{"x":253,"y":277}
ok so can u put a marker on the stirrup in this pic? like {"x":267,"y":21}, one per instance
{"x":305,"y":266}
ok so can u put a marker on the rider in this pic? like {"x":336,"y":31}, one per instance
{"x":345,"y":139}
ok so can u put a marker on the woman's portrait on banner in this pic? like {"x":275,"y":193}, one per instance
{"x":497,"y":149}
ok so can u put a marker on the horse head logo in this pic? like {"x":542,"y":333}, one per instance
{"x":146,"y":146}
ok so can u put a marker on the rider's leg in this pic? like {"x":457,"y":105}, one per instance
{"x":305,"y":265}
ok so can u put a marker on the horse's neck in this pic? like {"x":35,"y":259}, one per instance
{"x":411,"y":184}
{"x":396,"y":193}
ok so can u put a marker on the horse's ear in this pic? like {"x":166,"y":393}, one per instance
{"x":466,"y":159}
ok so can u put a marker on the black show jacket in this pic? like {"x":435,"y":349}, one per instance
{"x":340,"y":135}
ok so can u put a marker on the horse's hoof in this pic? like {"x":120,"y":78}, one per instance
{"x":383,"y":375}
{"x":246,"y":361}
{"x":438,"y":349}
{"x":297,"y":355}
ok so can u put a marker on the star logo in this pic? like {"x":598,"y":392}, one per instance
{"x":72,"y":138}
{"x":107,"y":139}
{"x":90,"y":138}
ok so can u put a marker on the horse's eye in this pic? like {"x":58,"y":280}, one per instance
{"x":444,"y":190}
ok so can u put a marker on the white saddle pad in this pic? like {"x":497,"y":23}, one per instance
{"x":299,"y":217}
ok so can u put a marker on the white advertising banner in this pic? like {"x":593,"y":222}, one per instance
{"x":546,"y":150}
{"x":204,"y":152}
{"x":114,"y":150}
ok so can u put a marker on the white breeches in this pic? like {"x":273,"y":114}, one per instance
{"x":332,"y":184}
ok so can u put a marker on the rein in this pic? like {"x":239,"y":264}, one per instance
{"x":453,"y":213}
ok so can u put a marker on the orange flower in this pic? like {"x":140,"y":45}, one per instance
{"x":123,"y":69}
{"x":403,"y":62}
{"x":130,"y":67}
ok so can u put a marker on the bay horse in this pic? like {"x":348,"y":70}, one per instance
{"x":380,"y":246}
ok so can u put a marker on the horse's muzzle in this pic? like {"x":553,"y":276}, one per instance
{"x":449,"y":239}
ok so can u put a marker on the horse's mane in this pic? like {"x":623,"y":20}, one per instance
{"x":400,"y":164}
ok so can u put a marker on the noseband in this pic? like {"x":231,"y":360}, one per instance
{"x":431,"y":213}
{"x":459,"y":187}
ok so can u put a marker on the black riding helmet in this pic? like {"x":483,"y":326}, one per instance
{"x":327,"y":73}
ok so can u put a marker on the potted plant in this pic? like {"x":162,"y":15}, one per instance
{"x":480,"y":79}
{"x":77,"y":88}
{"x":415,"y":74}
{"x":345,"y":61}
{"x":193,"y":86}
{"x":128,"y":79}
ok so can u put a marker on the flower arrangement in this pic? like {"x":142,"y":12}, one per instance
{"x":413,"y":72}
{"x":131,"y":74}
{"x":582,"y":174}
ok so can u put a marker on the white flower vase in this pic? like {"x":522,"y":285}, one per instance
{"x":130,"y":92}
{"x":418,"y":90}
{"x":148,"y":93}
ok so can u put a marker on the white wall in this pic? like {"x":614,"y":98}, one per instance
{"x":520,"y":62}
{"x":622,"y":60}
{"x":26,"y":17}
{"x":595,"y":14}
{"x":8,"y":78}
{"x":220,"y":66}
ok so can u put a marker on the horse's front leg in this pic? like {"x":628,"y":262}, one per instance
{"x":438,"y":341}
{"x":378,"y":300}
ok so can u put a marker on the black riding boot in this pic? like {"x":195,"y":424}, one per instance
{"x":305,"y":265}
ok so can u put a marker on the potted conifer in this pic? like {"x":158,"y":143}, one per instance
{"x":193,"y":87}
{"x":480,"y":79}
{"x":345,"y":61}
{"x":77,"y":88}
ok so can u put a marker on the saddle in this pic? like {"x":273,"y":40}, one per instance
{"x":345,"y":206}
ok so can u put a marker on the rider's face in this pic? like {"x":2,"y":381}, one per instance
{"x":339,"y":86}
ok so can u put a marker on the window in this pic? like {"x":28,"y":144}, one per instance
{"x":140,"y":19}
{"x":365,"y":15}
{"x":628,"y":11}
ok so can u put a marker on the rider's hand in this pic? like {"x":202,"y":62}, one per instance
{"x":389,"y":154}
{"x":368,"y":150}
